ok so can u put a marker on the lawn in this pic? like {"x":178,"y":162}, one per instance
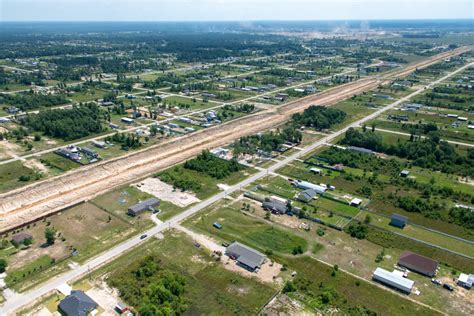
{"x":74,"y":225}
{"x":119,"y":200}
{"x":248,"y":230}
{"x":422,"y":235}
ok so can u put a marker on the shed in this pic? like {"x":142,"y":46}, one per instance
{"x":404,"y":173}
{"x":315,"y":170}
{"x":98,"y":144}
{"x":247,"y":257}
{"x":127,"y":120}
{"x":356,"y":202}
{"x":77,"y":303}
{"x":307,"y":195}
{"x":398,"y":220}
{"x":418,"y":263}
{"x":121,"y":307}
{"x":21,"y":237}
{"x":466,"y":280}
{"x":393,"y":279}
{"x":141,"y":207}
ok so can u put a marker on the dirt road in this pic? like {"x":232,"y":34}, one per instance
{"x":35,"y":200}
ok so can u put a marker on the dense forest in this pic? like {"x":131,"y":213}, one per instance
{"x":430,"y":152}
{"x":67,"y":124}
{"x":213,"y":166}
{"x":319,"y":117}
{"x":31,"y":100}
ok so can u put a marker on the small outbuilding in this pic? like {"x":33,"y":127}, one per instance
{"x":307,"y":195}
{"x":418,"y":263}
{"x":398,"y":220}
{"x":356,"y":202}
{"x":466,"y":280}
{"x":404,"y":173}
{"x":147,"y":205}
{"x":245,"y":256}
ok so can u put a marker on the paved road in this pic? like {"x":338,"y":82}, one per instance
{"x":17,"y":300}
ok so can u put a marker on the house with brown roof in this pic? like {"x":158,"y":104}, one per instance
{"x":20,"y":238}
{"x":418,"y":263}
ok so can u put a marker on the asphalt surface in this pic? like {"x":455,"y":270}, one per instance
{"x":15,"y":301}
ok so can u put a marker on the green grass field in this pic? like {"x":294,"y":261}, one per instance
{"x":422,"y":235}
{"x":248,"y":230}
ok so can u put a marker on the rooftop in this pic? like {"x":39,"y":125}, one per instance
{"x":246,"y":255}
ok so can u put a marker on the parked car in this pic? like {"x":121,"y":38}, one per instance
{"x":225,"y":244}
{"x":436,"y":281}
{"x":448,"y":287}
{"x":143,"y":236}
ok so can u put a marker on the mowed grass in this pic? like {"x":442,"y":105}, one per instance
{"x":245,"y":229}
{"x":422,"y":235}
{"x":210,"y":288}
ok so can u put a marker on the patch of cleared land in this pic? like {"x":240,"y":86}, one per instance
{"x":166,"y":192}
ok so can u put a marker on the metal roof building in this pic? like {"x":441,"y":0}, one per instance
{"x":307,"y":195}
{"x":393,"y":279}
{"x":398,"y":220}
{"x":141,"y":207}
{"x":250,"y":258}
{"x":360,"y":150}
{"x":308,"y":185}
{"x":418,"y":263}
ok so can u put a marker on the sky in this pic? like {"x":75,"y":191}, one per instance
{"x":232,"y":10}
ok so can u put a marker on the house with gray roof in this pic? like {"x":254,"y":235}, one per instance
{"x":77,"y":303}
{"x":307,"y":195}
{"x":245,"y":256}
{"x":147,"y":205}
{"x":275,"y":207}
